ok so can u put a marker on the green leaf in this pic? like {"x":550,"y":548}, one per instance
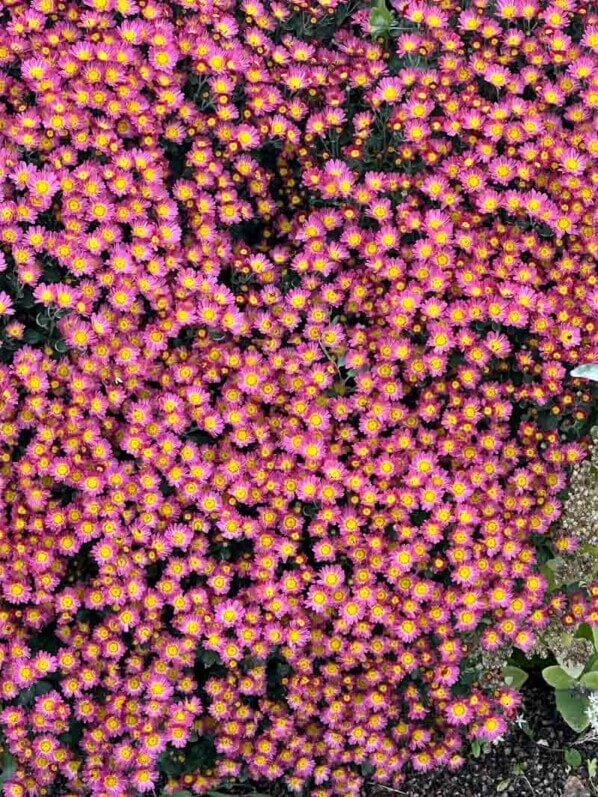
{"x":26,"y":696}
{"x":526,"y":728}
{"x":367,"y":769}
{"x":584,"y":631}
{"x":380,"y":19}
{"x":9,"y":766}
{"x":379,"y":24}
{"x":514,"y":677}
{"x":590,"y":679}
{"x":208,"y":657}
{"x":503,"y":785}
{"x":592,"y":765}
{"x":557,"y":677}
{"x":548,"y":574}
{"x":32,"y":336}
{"x":573,"y":709}
{"x":573,"y":757}
{"x":589,"y":371}
{"x":519,"y":768}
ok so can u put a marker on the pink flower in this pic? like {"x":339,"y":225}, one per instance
{"x":6,"y":305}
{"x":492,"y":729}
{"x":229,"y":613}
{"x":459,"y":712}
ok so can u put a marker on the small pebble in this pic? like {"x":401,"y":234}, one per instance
{"x":575,"y":788}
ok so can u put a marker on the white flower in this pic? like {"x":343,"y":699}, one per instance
{"x":592,"y":710}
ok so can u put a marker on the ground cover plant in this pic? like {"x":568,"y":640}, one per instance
{"x":290,"y":293}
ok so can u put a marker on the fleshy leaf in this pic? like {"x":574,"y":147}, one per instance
{"x":573,"y":709}
{"x":557,"y":677}
{"x":590,"y":679}
{"x":514,"y":677}
{"x":588,"y":371}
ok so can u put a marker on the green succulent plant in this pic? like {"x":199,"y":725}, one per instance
{"x":573,"y":680}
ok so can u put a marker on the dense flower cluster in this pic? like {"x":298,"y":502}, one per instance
{"x":287,"y":313}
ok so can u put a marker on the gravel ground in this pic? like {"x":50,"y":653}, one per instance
{"x":518,"y":767}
